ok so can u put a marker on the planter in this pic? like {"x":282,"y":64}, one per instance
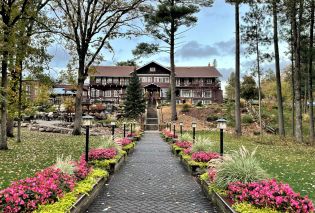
{"x":114,"y":167}
{"x":130,"y":150}
{"x":215,"y":198}
{"x":176,"y":151}
{"x":194,"y":170}
{"x":85,"y":200}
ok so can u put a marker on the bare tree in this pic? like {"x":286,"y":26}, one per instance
{"x":88,"y":26}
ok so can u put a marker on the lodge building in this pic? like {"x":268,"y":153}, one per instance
{"x":107,"y":84}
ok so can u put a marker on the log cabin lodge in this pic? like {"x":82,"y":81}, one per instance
{"x":107,"y":84}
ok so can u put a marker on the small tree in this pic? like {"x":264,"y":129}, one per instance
{"x":249,"y":88}
{"x":134,"y":103}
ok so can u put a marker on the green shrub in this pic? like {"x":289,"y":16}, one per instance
{"x":186,"y":108}
{"x":242,"y":166}
{"x":202,"y":143}
{"x":185,"y":137}
{"x":65,"y":164}
{"x":199,"y":104}
{"x":247,"y":119}
{"x":212,"y":118}
{"x":108,"y":142}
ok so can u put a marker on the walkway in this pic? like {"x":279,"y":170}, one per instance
{"x":152,"y":180}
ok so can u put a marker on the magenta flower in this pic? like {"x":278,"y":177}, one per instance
{"x":270,"y":193}
{"x":204,"y":156}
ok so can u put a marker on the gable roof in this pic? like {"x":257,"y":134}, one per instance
{"x":181,"y":72}
{"x":113,"y":71}
{"x":197,"y":72}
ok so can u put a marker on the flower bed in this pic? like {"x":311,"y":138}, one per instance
{"x":252,"y":192}
{"x":168,"y":136}
{"x":204,"y":156}
{"x":271,"y":194}
{"x":47,"y":186}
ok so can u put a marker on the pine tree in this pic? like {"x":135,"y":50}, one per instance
{"x":134,"y":103}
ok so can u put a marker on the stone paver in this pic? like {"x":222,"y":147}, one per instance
{"x":152,"y":180}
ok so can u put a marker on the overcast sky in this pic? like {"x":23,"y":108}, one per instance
{"x":212,"y":38}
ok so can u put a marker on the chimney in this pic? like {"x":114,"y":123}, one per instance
{"x":209,"y":64}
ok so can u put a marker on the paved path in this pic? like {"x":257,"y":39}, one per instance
{"x":152,"y":180}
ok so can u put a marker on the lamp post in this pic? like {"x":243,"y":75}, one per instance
{"x":124,"y":129}
{"x":194,"y":125}
{"x":131,"y":128}
{"x":181,"y":128}
{"x":170,"y":126}
{"x":134,"y":125}
{"x":87,"y":122}
{"x":174,"y":124}
{"x":166,"y":125}
{"x":113,"y":129}
{"x":221,"y":125}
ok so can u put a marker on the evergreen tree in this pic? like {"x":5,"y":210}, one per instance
{"x":230,"y":87}
{"x":134,"y":103}
{"x":165,"y":23}
{"x":249,"y":88}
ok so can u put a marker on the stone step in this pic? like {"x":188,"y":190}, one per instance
{"x":151,"y":127}
{"x":152,"y":121}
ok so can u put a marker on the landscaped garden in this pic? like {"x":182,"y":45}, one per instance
{"x":48,"y":172}
{"x":256,"y":174}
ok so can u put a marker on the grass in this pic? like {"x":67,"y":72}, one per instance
{"x":284,"y":160}
{"x":38,"y":151}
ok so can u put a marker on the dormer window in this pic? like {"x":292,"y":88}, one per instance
{"x":152,"y":69}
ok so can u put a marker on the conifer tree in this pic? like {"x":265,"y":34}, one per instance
{"x":134,"y":103}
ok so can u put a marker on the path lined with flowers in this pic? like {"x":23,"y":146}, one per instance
{"x":152,"y":180}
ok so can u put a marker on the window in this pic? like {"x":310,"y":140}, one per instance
{"x":152,"y":69}
{"x":97,"y":93}
{"x":186,"y":93}
{"x":107,"y":93}
{"x":197,"y":93}
{"x":92,"y":92}
{"x":98,"y":80}
{"x":115,"y":80}
{"x":208,"y":94}
{"x":28,"y":89}
{"x":116,"y":93}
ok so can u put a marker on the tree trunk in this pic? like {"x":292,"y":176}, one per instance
{"x":277,"y":67}
{"x":10,"y":125}
{"x":292,"y":83}
{"x":259,"y":86}
{"x":4,"y":85}
{"x":18,"y":139}
{"x":238,"y":129}
{"x":297,"y":73}
{"x":310,"y":75}
{"x":78,"y":101}
{"x":172,"y":61}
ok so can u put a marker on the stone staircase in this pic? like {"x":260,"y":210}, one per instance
{"x":152,"y":123}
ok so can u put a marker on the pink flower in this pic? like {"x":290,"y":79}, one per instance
{"x":124,"y":141}
{"x":270,"y":193}
{"x":102,"y":154}
{"x":183,"y":144}
{"x":204,"y":156}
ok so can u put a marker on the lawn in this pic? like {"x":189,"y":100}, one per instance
{"x":36,"y":152}
{"x":287,"y":161}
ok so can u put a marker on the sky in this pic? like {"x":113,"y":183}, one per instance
{"x":212,"y":38}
